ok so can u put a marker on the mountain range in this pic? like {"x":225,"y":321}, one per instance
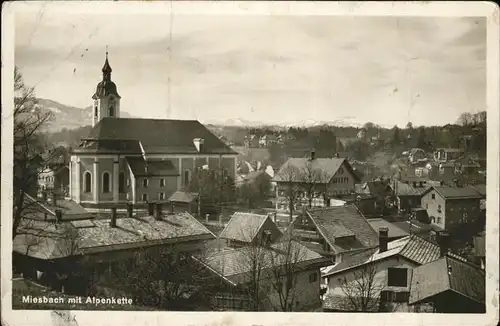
{"x":66,"y":116}
{"x":70,"y":117}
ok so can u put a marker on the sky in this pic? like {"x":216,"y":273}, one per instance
{"x":269,"y":69}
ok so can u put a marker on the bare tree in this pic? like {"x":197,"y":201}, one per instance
{"x":286,"y":265}
{"x":289,"y":185}
{"x":362,"y":291}
{"x":29,"y":146}
{"x":313,"y":180}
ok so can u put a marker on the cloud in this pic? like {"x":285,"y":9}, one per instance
{"x":263,"y":67}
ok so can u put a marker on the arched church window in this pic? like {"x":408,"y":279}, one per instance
{"x":186,"y":178}
{"x":95,"y":111}
{"x":106,"y":186}
{"x":87,"y":182}
{"x":111,"y":111}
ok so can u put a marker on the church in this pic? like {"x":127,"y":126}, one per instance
{"x":132,"y":160}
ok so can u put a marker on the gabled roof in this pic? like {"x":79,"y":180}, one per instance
{"x":413,"y":248}
{"x":304,"y":169}
{"x":244,"y":226}
{"x":403,"y":189}
{"x":160,"y":135}
{"x":141,"y":167}
{"x":49,"y":240}
{"x":36,"y":208}
{"x":343,"y":221}
{"x":235,"y":264}
{"x":447,"y":192}
{"x":447,"y":274}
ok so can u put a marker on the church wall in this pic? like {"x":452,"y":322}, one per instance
{"x":105,"y":165}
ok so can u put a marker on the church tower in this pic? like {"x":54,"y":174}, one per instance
{"x":106,"y":98}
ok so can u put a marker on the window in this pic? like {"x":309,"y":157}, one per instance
{"x":439,"y":208}
{"x":144,"y":197}
{"x":313,"y":277}
{"x":145,"y":183}
{"x":161,"y":196}
{"x":87,"y":182}
{"x":187,"y":177}
{"x":267,"y":237}
{"x":433,"y":196}
{"x":106,"y":182}
{"x":111,"y":111}
{"x":439,"y":220}
{"x":397,"y":277}
{"x":121,"y":183}
{"x":465,"y":217}
{"x":95,"y":111}
{"x":162,"y":183}
{"x":128,"y":182}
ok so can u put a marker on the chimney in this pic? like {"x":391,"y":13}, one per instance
{"x":158,"y":211}
{"x":383,"y":238}
{"x":199,"y":143}
{"x":112,"y":222}
{"x":172,"y":207}
{"x":414,"y":184}
{"x":130,"y":209}
{"x":443,"y":241}
{"x":337,"y":155}
{"x":313,"y":154}
{"x":58,"y":215}
{"x":421,"y":184}
{"x":441,"y":183}
{"x":220,"y":219}
{"x":275,"y":217}
{"x":54,"y":198}
{"x":206,"y":218}
{"x":151,"y":209}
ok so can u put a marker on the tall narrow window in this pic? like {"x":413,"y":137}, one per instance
{"x":87,"y":183}
{"x":162,"y":183}
{"x":111,"y":111}
{"x":95,"y":111}
{"x":186,"y":177}
{"x":121,"y":183}
{"x":106,"y":182}
{"x":145,"y":183}
{"x":144,"y":197}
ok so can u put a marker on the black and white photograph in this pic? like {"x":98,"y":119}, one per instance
{"x":245,"y":157}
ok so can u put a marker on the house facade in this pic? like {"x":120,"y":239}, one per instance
{"x":383,"y":274}
{"x":322,"y":179}
{"x":450,"y":207}
{"x":140,"y":160}
{"x":54,"y":179}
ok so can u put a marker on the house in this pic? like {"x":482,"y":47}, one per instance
{"x":334,"y":231}
{"x":54,"y":178}
{"x":382,"y":275}
{"x":394,"y":231}
{"x":417,"y":155}
{"x":251,"y":141}
{"x":467,"y":165}
{"x":319,"y":178}
{"x":447,"y":154}
{"x":408,"y":195}
{"x":184,"y":201}
{"x":68,"y":252}
{"x":267,"y":140}
{"x":450,"y":207}
{"x":450,"y":285}
{"x":238,"y":269}
{"x":245,"y":229}
{"x":380,"y":190}
{"x":134,"y":160}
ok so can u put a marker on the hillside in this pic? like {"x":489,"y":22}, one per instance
{"x":66,"y":116}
